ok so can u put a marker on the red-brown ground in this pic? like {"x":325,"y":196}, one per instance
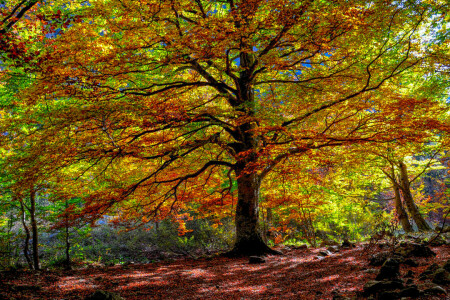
{"x":296,"y":275}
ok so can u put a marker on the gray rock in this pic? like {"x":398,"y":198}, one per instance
{"x":103,"y":295}
{"x":410,"y":262}
{"x":428,"y":273}
{"x":447,"y":266}
{"x":325,"y":253}
{"x":410,"y":291}
{"x":303,"y":246}
{"x":408,"y":249}
{"x":256,"y":260}
{"x":441,"y":276}
{"x":374,"y":286}
{"x":347,"y":244}
{"x":435,"y":290}
{"x":388,"y":295}
{"x":333,"y":249}
{"x":379,"y":258}
{"x":389,"y":270}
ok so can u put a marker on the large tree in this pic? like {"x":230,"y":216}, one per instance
{"x":169,"y":103}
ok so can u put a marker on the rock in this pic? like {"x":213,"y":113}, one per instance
{"x":388,"y":295}
{"x":410,"y":291}
{"x":333,"y":249}
{"x":441,"y":276}
{"x":284,"y":247}
{"x":304,"y":246}
{"x":347,"y":244}
{"x":103,"y":295}
{"x":325,"y":253}
{"x":374,"y":286}
{"x":256,"y":260}
{"x":329,"y":243}
{"x":428,"y":273}
{"x":379,"y":258}
{"x":389,"y":270}
{"x":408,"y":249}
{"x":435,"y":290}
{"x":337,"y":295}
{"x":447,"y":266}
{"x":410,"y":262}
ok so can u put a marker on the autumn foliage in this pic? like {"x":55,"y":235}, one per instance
{"x":148,"y":110}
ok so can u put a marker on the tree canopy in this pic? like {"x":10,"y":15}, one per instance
{"x":156,"y":107}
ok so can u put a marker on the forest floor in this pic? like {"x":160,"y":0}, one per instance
{"x":298,"y":274}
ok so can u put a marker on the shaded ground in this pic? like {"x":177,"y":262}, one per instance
{"x":298,"y":274}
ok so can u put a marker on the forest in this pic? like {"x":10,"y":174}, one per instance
{"x":224,"y":149}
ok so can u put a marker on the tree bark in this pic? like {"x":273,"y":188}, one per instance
{"x":67,"y":239}
{"x":248,"y":238}
{"x":27,"y":235}
{"x":400,"y":210}
{"x":34,"y":229}
{"x":422,"y":225}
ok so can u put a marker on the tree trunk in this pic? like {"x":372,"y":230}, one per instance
{"x":34,"y":229}
{"x":67,"y":238}
{"x":422,"y":225}
{"x":399,"y":209}
{"x":27,"y":235}
{"x":248,"y":239}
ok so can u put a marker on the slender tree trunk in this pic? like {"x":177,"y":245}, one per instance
{"x":422,"y":225}
{"x":400,"y":210}
{"x":34,"y":229}
{"x":9,"y":245}
{"x":27,"y":235}
{"x":68,"y":264}
{"x":264,"y":230}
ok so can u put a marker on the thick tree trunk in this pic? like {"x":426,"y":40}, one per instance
{"x":34,"y":229}
{"x":422,"y":225}
{"x":248,"y":238}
